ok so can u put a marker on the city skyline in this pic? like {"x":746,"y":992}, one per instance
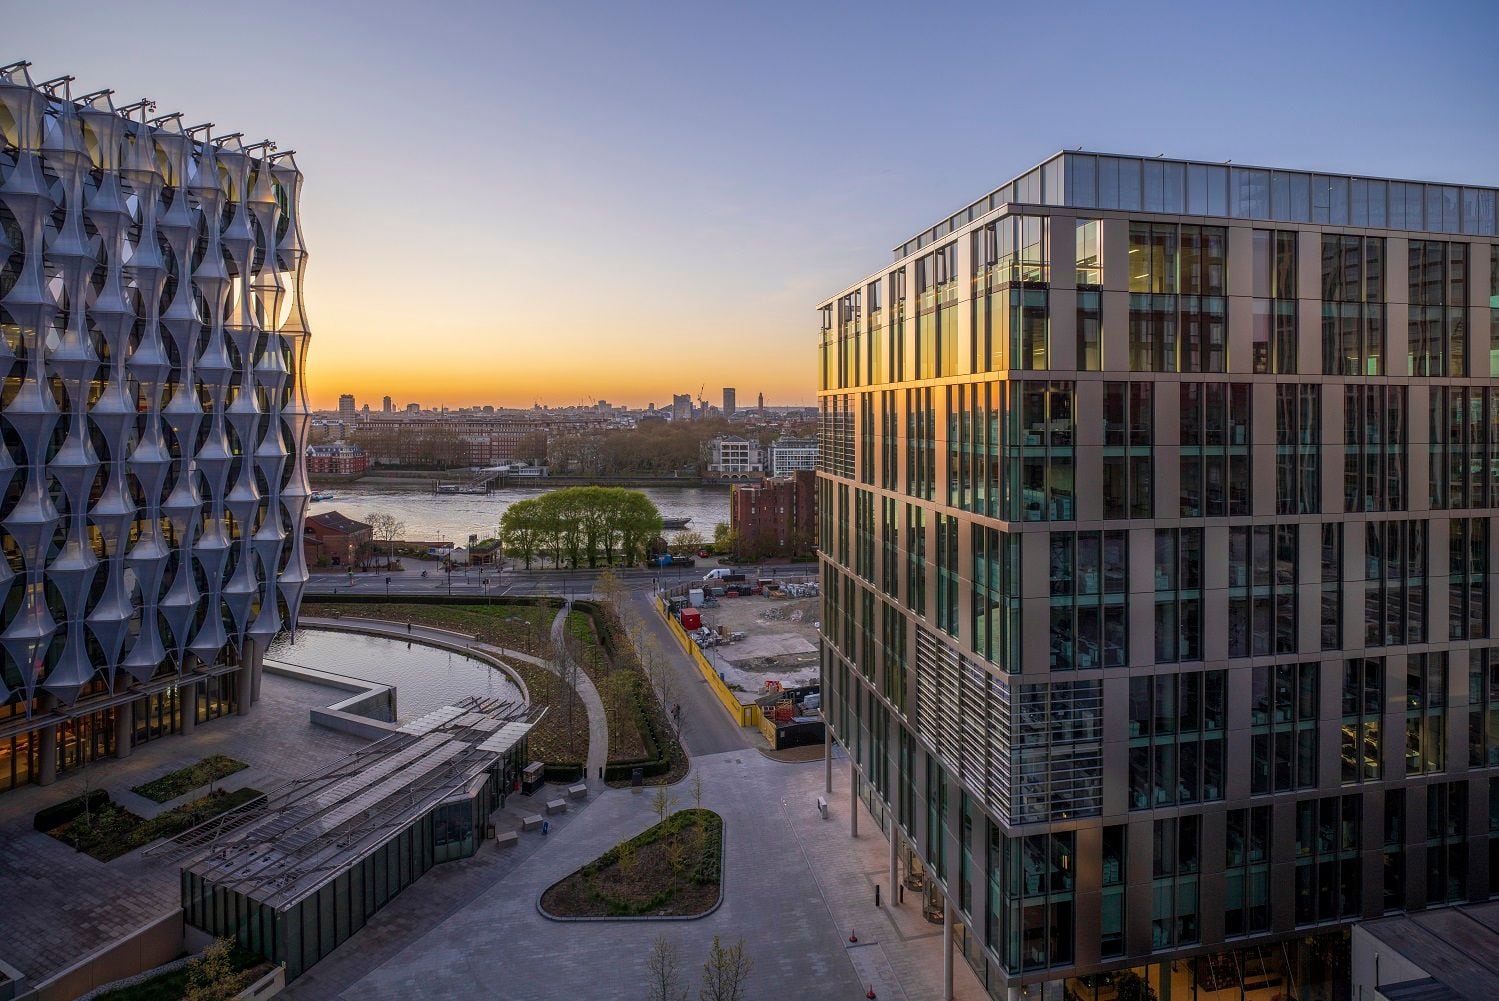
{"x":625,"y":199}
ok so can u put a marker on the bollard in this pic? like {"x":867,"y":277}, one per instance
{"x":876,"y":894}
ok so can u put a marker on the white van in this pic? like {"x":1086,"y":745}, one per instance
{"x":720,"y":573}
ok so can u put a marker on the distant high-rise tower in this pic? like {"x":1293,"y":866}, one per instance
{"x":346,"y":406}
{"x":388,"y":405}
{"x":681,"y":407}
{"x":728,"y":401}
{"x":762,"y":403}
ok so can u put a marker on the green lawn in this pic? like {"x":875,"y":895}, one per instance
{"x":185,"y":780}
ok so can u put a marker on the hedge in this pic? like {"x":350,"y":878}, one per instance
{"x":563,"y":771}
{"x":68,"y":810}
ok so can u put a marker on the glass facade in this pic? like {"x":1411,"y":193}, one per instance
{"x":1251,"y":582}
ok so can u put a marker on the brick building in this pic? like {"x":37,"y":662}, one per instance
{"x":776,"y":517}
{"x":337,"y":459}
{"x":335,"y":540}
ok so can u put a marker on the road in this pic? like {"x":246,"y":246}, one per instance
{"x":493,"y":582}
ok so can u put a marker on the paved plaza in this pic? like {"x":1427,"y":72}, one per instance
{"x":59,"y":905}
{"x":795,"y":887}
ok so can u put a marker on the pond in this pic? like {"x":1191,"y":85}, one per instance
{"x":425,"y":677}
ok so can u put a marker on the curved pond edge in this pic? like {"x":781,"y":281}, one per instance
{"x":723,"y":857}
{"x":343,"y":715}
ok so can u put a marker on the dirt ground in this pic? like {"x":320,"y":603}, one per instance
{"x":780,"y":642}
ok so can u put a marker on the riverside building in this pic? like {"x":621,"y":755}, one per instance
{"x":1156,"y":542}
{"x":152,"y":340}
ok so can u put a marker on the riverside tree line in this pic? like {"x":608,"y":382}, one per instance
{"x":581,"y":526}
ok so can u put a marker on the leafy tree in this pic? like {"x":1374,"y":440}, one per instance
{"x":212,"y":977}
{"x":726,"y":973}
{"x":578,"y":524}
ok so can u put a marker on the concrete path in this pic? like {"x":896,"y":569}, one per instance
{"x":598,"y":722}
{"x":706,"y":727}
{"x":593,"y":704}
{"x":795,"y":887}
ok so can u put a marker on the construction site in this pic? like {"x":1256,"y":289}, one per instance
{"x":757,"y":642}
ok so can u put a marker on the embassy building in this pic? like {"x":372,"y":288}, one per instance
{"x":1156,"y":531}
{"x":152,"y":496}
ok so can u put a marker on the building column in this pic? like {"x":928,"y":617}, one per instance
{"x":46,"y":754}
{"x":894,"y":875}
{"x":827,"y":759}
{"x":259,"y":670}
{"x":946,"y":950}
{"x":853,"y":800}
{"x":187,"y":695}
{"x":244,"y":678}
{"x":124,"y":728}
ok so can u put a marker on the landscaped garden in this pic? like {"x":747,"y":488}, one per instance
{"x":639,"y":732}
{"x":185,"y":780}
{"x":107,"y":830}
{"x":672,"y":869}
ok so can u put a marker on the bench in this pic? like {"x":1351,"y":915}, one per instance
{"x":531,"y":823}
{"x":556,"y":806}
{"x":822,"y":807}
{"x":578,"y":791}
{"x":507,"y":839}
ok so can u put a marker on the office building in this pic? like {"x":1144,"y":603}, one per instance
{"x":681,"y":407}
{"x":1156,"y":542}
{"x":155,"y":421}
{"x":732,"y":457}
{"x":387,"y":405}
{"x":788,"y":455}
{"x":728,"y":401}
{"x":346,"y":407}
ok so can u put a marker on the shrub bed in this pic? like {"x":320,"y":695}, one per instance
{"x":58,"y":814}
{"x":185,"y":780}
{"x":112,"y":831}
{"x":673,"y":869}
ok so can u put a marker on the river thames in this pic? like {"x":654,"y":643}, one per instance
{"x":453,"y":518}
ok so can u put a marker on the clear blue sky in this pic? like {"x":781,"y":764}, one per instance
{"x":510,"y":201}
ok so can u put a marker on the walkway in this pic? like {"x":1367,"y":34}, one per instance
{"x":795,"y":887}
{"x":706,"y":727}
{"x":598,"y":723}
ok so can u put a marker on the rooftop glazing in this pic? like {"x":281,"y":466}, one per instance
{"x":1155,"y":184}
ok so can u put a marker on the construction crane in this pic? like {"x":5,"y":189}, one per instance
{"x":702,"y":404}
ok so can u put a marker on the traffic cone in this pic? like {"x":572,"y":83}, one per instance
{"x":852,"y":935}
{"x":870,"y":993}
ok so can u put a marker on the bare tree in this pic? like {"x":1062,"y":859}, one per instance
{"x":662,"y":802}
{"x":665,"y":976}
{"x":726,"y":973}
{"x":386,"y":528}
{"x":697,"y":789}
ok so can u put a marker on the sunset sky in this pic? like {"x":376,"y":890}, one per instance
{"x":511,"y":202}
